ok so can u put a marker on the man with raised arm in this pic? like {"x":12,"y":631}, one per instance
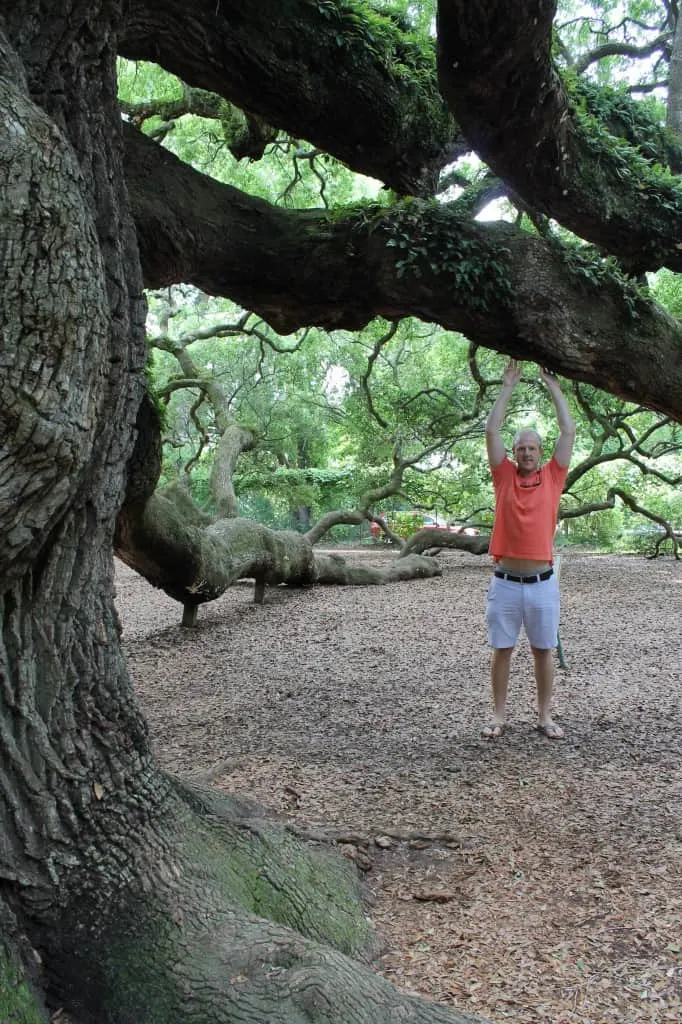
{"x":524,"y":589}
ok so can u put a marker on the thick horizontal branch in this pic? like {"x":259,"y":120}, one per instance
{"x":513,"y":108}
{"x":503,"y":288}
{"x":353,"y":84}
{"x":661,"y":42}
{"x":425,"y":540}
{"x":364,"y":92}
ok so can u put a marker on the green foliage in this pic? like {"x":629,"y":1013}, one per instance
{"x":406,"y":524}
{"x":142,"y":82}
{"x":642,"y":539}
{"x":666,"y":288}
{"x":388,"y":35}
{"x":586,"y":264}
{"x":617,"y":162}
{"x":18,"y":1003}
{"x":323,"y":447}
{"x":602,"y":529}
{"x":636,"y":122}
{"x":475,"y":276}
{"x":331,"y":415}
{"x":277,"y":493}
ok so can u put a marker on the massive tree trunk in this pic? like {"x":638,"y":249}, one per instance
{"x":142,"y":901}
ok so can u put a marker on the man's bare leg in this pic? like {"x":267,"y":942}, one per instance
{"x":544,"y":681}
{"x":499,"y":675}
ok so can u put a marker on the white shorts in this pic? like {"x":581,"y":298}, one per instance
{"x":533,"y":605}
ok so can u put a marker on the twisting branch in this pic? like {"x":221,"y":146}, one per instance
{"x":245,"y":134}
{"x":660,"y":43}
{"x":233,"y":439}
{"x":371,"y":360}
{"x":204,"y":441}
{"x":193,"y":101}
{"x":646,"y":87}
{"x":627,"y":499}
{"x":391,"y":488}
{"x":631,"y":447}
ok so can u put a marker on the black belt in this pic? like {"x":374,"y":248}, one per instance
{"x":502,"y":575}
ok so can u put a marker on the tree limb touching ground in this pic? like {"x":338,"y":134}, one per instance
{"x":194,"y":557}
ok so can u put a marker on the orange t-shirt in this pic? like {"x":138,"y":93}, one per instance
{"x":526,"y":511}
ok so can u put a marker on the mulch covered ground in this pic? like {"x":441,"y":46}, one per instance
{"x":522,"y":879}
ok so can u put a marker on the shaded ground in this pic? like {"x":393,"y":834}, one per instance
{"x":524,"y":879}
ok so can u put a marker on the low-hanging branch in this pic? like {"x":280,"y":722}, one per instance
{"x":313,"y":82}
{"x":504,"y":288}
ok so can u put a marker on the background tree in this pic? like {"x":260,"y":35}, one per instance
{"x":334,"y":414}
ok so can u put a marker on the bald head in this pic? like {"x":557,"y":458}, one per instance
{"x":527,"y":451}
{"x":525,"y":435}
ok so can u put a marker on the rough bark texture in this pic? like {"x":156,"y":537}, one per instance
{"x":143,"y":902}
{"x":195,"y":558}
{"x":53,"y":390}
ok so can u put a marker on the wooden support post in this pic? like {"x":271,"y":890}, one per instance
{"x":559,"y":645}
{"x":189,"y":615}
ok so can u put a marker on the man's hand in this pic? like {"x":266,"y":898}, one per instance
{"x":512,"y":375}
{"x":549,"y":379}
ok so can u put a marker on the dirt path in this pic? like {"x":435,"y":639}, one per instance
{"x":524,"y":879}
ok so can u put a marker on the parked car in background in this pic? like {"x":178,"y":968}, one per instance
{"x":375,"y":532}
{"x":405,"y":524}
{"x":436,"y":523}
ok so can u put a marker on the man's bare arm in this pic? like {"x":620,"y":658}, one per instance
{"x":564,"y":446}
{"x":493,"y":427}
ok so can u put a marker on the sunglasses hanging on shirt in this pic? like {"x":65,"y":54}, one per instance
{"x":535,"y":482}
